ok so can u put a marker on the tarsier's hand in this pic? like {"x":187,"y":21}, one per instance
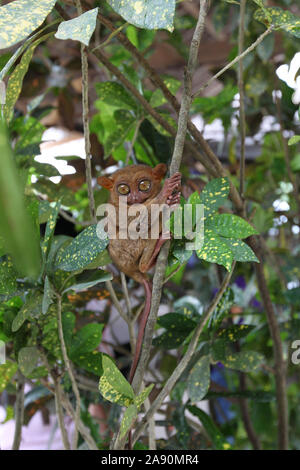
{"x":171,"y":190}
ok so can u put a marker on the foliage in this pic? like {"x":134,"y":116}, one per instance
{"x":50,"y":272}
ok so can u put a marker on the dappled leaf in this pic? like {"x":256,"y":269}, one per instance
{"x":114,"y":94}
{"x":199,"y":379}
{"x":7,"y":371}
{"x":214,"y":433}
{"x":82,"y":250}
{"x":139,"y":400}
{"x":230,"y":226}
{"x":80,"y":28}
{"x":27,"y":359}
{"x":17,"y":20}
{"x":86,"y":339}
{"x":148,"y":14}
{"x":215,"y":250}
{"x":112,"y":384}
{"x":128,"y":419}
{"x":214,"y":195}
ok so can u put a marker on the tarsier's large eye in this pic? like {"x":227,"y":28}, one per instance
{"x":144,"y":185}
{"x":123,"y":189}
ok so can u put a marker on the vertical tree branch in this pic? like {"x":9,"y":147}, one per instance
{"x":85,"y":119}
{"x":58,"y":402}
{"x":242,"y":98}
{"x":180,"y":368}
{"x":280,"y":369}
{"x":175,"y":165}
{"x":68,"y":366}
{"x":19,"y":411}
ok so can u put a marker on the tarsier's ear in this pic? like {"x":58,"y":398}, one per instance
{"x":105,"y":182}
{"x":159,"y":171}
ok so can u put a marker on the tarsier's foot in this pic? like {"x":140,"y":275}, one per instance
{"x":171,"y":189}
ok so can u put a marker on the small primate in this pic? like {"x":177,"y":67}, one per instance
{"x":140,"y":184}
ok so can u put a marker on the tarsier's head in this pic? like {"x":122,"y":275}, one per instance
{"x":137,"y":182}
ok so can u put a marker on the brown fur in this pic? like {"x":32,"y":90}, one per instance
{"x":136,"y":257}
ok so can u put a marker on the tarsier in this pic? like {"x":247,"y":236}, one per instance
{"x":140,"y":184}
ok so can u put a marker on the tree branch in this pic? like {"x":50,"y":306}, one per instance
{"x":235,"y":60}
{"x":280,"y":369}
{"x":19,"y":410}
{"x":242,"y":98}
{"x":180,"y":368}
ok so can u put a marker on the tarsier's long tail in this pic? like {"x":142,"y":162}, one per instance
{"x":142,"y":326}
{"x":139,"y":342}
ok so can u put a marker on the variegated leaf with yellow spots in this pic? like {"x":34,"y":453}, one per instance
{"x":80,"y":28}
{"x":82,"y":250}
{"x":199,"y":379}
{"x":214,"y":195}
{"x":147,"y":14}
{"x":215,"y":250}
{"x":7,"y":371}
{"x":20,"y":18}
{"x":281,"y":19}
{"x":112,"y":384}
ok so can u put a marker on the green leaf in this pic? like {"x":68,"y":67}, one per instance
{"x":124,"y":122}
{"x":80,"y":28}
{"x":91,"y":362}
{"x":7,"y":371}
{"x":101,"y":260}
{"x":9,"y":414}
{"x":281,"y":19}
{"x":139,"y":400}
{"x":48,"y":296}
{"x":128,"y":419}
{"x":294,"y":140}
{"x":27,"y":359}
{"x":8,"y":277}
{"x":50,"y":227}
{"x":16,"y":226}
{"x":215,"y":250}
{"x":112,"y":384}
{"x":199,"y":379}
{"x":158,"y":98}
{"x":86,"y":339}
{"x":147,"y":14}
{"x":235,"y":332}
{"x":31,"y":308}
{"x":97,"y":278}
{"x":214,"y":195}
{"x":246,"y":361}
{"x":241,"y":251}
{"x":176,"y":321}
{"x":19,"y":18}
{"x":295,"y":163}
{"x":82,"y":250}
{"x":230,"y":226}
{"x":15,"y":81}
{"x":214,"y":433}
{"x":114,"y":94}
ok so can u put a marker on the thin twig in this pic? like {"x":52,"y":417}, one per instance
{"x":242,"y":98}
{"x":68,"y":366}
{"x":85,"y":118}
{"x":235,"y":60}
{"x":180,"y":368}
{"x":58,"y":400}
{"x":19,"y":411}
{"x":110,"y":37}
{"x":280,"y":369}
